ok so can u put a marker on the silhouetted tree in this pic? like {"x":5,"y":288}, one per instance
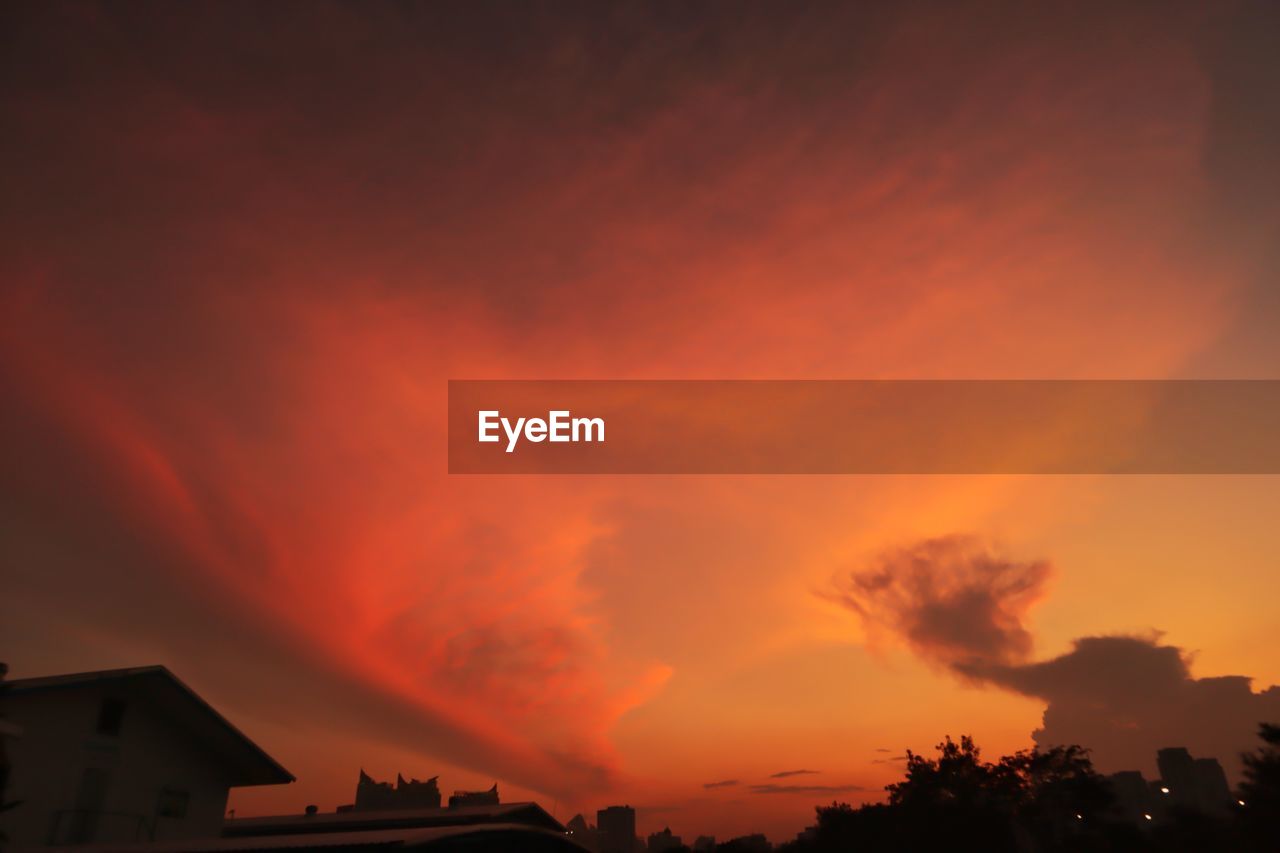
{"x":872,"y":827}
{"x":1056,"y":794}
{"x":957,"y":795}
{"x":1041,"y":801}
{"x":1261,"y":790}
{"x":1036,"y":800}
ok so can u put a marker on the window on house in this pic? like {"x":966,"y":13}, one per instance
{"x":173,"y":803}
{"x":110,"y":716}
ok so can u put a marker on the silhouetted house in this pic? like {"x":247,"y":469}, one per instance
{"x":122,"y":755}
{"x":474,"y":829}
{"x":616,"y":829}
{"x":377,"y":833}
{"x":8,"y":731}
{"x":474,"y":798}
{"x":704,"y":843}
{"x":372,"y":795}
{"x":660,"y":842}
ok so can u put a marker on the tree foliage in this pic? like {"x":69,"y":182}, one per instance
{"x":1260,"y":790}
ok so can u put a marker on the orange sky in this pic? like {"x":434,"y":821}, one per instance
{"x":244,"y":253}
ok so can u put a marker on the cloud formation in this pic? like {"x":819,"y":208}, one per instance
{"x":727,"y":783}
{"x":1125,"y":697}
{"x":242,"y":260}
{"x":957,"y":603}
{"x":805,"y":789}
{"x":787,"y":773}
{"x":954,"y":599}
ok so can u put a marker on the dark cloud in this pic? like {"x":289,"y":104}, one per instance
{"x":958,"y":603}
{"x":806,"y":789}
{"x":785,"y":773}
{"x":953,"y":599}
{"x":726,"y":783}
{"x":1125,"y":697}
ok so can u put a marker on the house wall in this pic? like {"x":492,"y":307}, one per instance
{"x":61,"y":758}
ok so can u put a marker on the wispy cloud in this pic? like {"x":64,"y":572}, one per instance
{"x":805,"y":789}
{"x":725,"y":783}
{"x":787,"y":773}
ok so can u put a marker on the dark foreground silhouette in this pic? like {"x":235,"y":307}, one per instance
{"x":1038,"y":802}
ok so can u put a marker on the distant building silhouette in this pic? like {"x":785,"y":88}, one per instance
{"x":1135,"y":797}
{"x":121,"y":756}
{"x":1211,"y":781}
{"x":704,"y":843}
{"x":474,"y":798}
{"x":660,"y":842}
{"x":1194,"y":783}
{"x":374,"y":796}
{"x":1187,"y":783}
{"x":583,"y":833}
{"x":616,"y":829}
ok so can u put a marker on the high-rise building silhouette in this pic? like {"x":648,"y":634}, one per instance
{"x":616,"y":829}
{"x":1186,"y":783}
{"x":1193,"y":783}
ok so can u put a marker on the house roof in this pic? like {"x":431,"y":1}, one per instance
{"x":523,"y":814}
{"x":248,"y":763}
{"x":443,"y":839}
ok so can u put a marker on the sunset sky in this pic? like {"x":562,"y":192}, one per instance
{"x":246,"y":246}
